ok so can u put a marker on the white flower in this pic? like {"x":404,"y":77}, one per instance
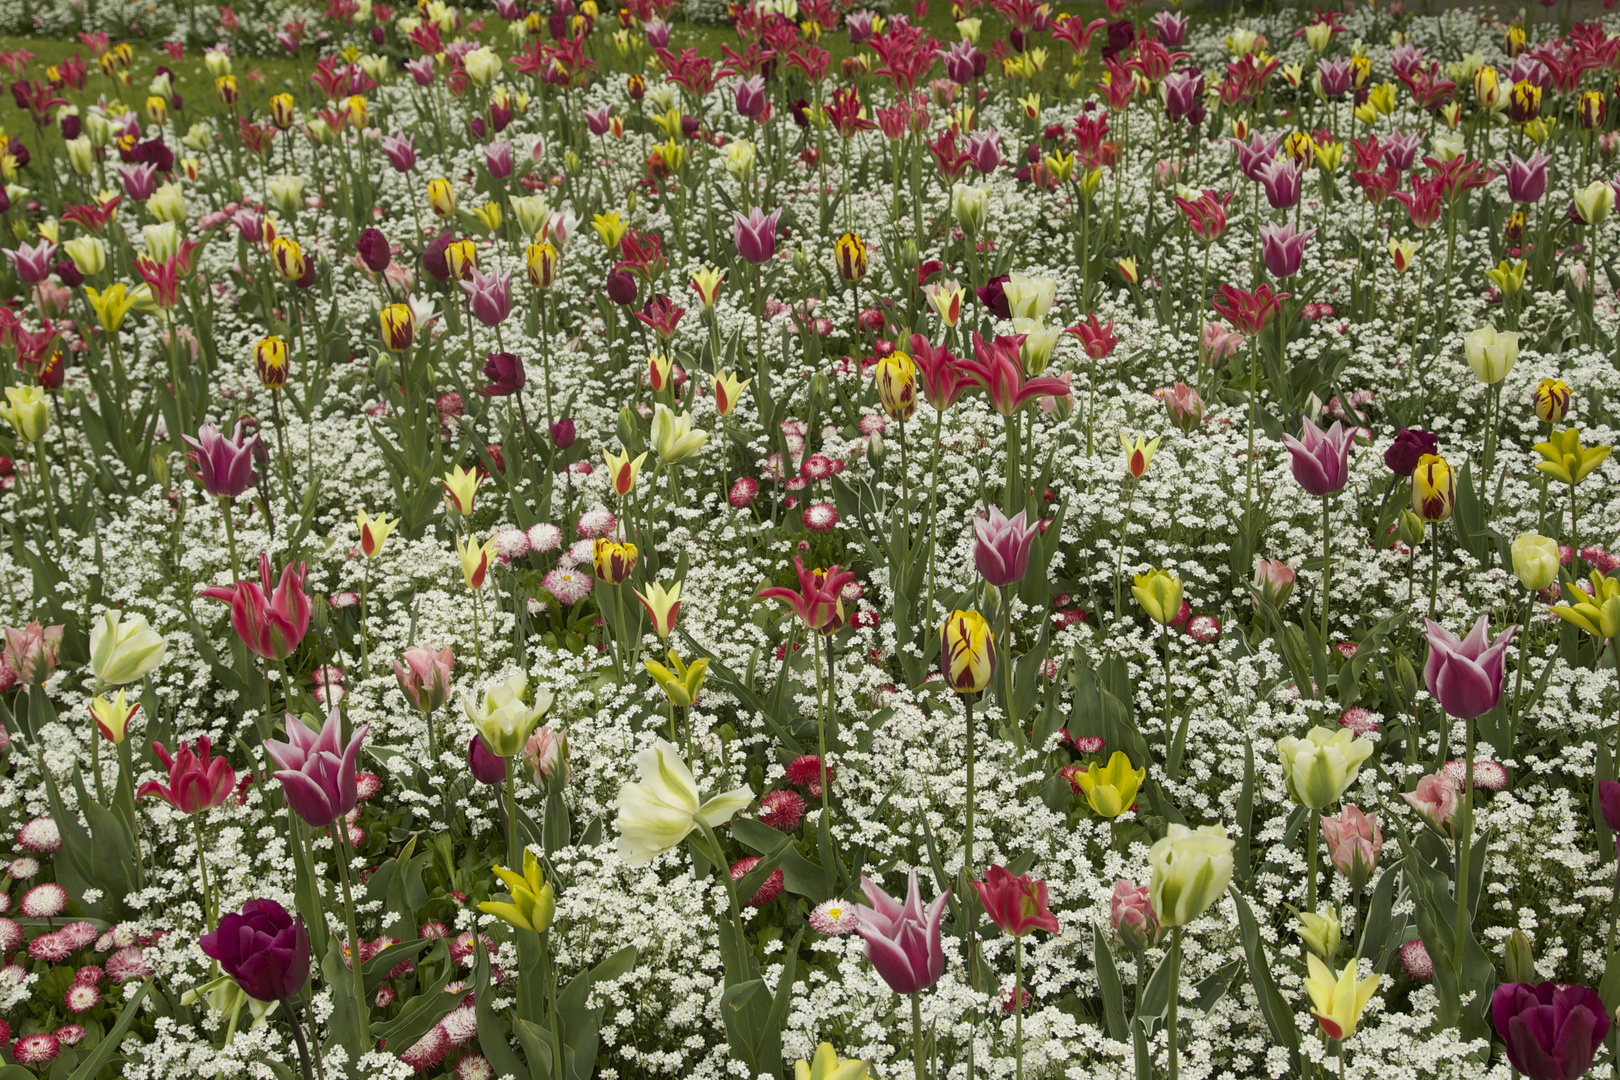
{"x":663,"y":808}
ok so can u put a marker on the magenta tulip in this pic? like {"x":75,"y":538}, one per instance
{"x":224,"y":467}
{"x":317,"y":771}
{"x":1527,"y":179}
{"x":1281,"y":181}
{"x":264,"y":949}
{"x":1321,"y":459}
{"x":902,"y":941}
{"x":1282,"y":249}
{"x":755,"y":234}
{"x":270,"y":620}
{"x":1001,"y":547}
{"x":1465,"y":675}
{"x":1552,"y":1032}
{"x":490,"y":296}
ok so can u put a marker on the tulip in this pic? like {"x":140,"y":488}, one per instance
{"x":1434,"y":489}
{"x":89,"y":254}
{"x":123,"y":651}
{"x":1281,"y":181}
{"x":374,"y":532}
{"x":849,"y":255}
{"x":902,"y":941}
{"x":461,"y":488}
{"x":1337,"y":1001}
{"x":1273,"y":581}
{"x":1552,"y":1032}
{"x":112,"y":717}
{"x":372,"y":248}
{"x":264,"y":949}
{"x":425,"y":676}
{"x":622,"y":471}
{"x":540,"y":260}
{"x":534,"y":902}
{"x":1159,"y":593}
{"x":998,"y":369}
{"x":505,"y":373}
{"x":1001,"y":547}
{"x":1111,"y":790}
{"x":968,"y":652}
{"x":1320,"y":767}
{"x":682,"y":685}
{"x":663,"y":606}
{"x":1551,"y":400}
{"x":398,"y":324}
{"x":1185,"y":406}
{"x":1527,"y":179}
{"x":1029,"y":297}
{"x":1130,"y":912}
{"x":1535,"y":560}
{"x":1321,"y":460}
{"x":1353,"y":843}
{"x":288,"y":257}
{"x":825,"y":1065}
{"x":706,"y":283}
{"x":1409,"y":447}
{"x":664,"y":808}
{"x":489,"y":296}
{"x":1015,"y":903}
{"x":1436,"y":799}
{"x":1138,"y":455}
{"x":270,"y":362}
{"x":945,"y":298}
{"x":727,"y":392}
{"x":546,"y":755}
{"x":1403,"y":252}
{"x":483,"y":763}
{"x":896,"y":378}
{"x":1282,"y":249}
{"x":1598,"y":614}
{"x":1321,"y":933}
{"x":1593,"y":202}
{"x":673,"y":436}
{"x":755,"y":235}
{"x":460,"y":257}
{"x":1191,"y":869}
{"x":32,"y":652}
{"x":1491,"y":354}
{"x":270,"y":621}
{"x":475,"y":559}
{"x":818,"y":602}
{"x":614,"y":560}
{"x":1566,"y":460}
{"x":197,"y":781}
{"x":441,"y":197}
{"x":562,"y":433}
{"x":32,"y":263}
{"x":1465,"y":676}
{"x":26,"y":413}
{"x":316,"y":770}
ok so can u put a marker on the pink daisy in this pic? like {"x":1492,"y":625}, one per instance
{"x":44,"y":901}
{"x":835,"y":918}
{"x":511,"y":544}
{"x":79,"y":934}
{"x":128,"y":963}
{"x":474,"y":1067}
{"x":40,"y":836}
{"x":81,"y":997}
{"x":1488,"y":775}
{"x":816,"y":467}
{"x":598,"y":521}
{"x":820,"y":517}
{"x":544,"y":537}
{"x":428,"y":1051}
{"x":1204,"y":628}
{"x":743,"y":492}
{"x":805,"y":771}
{"x":52,"y":948}
{"x":1360,"y":721}
{"x":23,"y":867}
{"x":781,"y":809}
{"x":568,"y":584}
{"x":768,"y":891}
{"x":37,"y":1049}
{"x":1415,"y":959}
{"x":579,"y":552}
{"x":366,"y":785}
{"x":68,"y":1034}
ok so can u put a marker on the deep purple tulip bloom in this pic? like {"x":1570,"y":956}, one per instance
{"x":1183,"y":94}
{"x":902,"y":941}
{"x":620,"y":287}
{"x":1172,"y":29}
{"x":33,"y":263}
{"x":755,"y":235}
{"x":562,"y":433}
{"x":373,"y":248}
{"x":490,"y":296}
{"x":317,"y":771}
{"x":71,"y":126}
{"x":223,"y":466}
{"x":1401,"y":150}
{"x":1121,"y":36}
{"x":505,"y":373}
{"x":400,"y":151}
{"x":1321,"y":459}
{"x":1527,"y":179}
{"x":751,"y":96}
{"x":156,"y":153}
{"x":1337,"y":76}
{"x":1609,"y":799}
{"x":1254,"y":155}
{"x":1282,"y":249}
{"x":485,"y":767}
{"x":1465,"y":676}
{"x":1551,"y":1032}
{"x":598,"y":120}
{"x":992,"y":296}
{"x":1410,"y":444}
{"x":984,"y":147}
{"x":68,"y":273}
{"x":433,"y":260}
{"x":1281,"y":180}
{"x":498,"y":159}
{"x":1001,"y":547}
{"x":263,"y":948}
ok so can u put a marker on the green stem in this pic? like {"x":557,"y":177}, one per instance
{"x":340,"y":834}
{"x":1465,"y":832}
{"x":1175,"y":996}
{"x":514,"y":857}
{"x":1124,"y":534}
{"x":1327,"y":565}
{"x":1311,"y":833}
{"x":1018,"y":1005}
{"x":230,"y":538}
{"x":916,"y":1035}
{"x":202,"y":869}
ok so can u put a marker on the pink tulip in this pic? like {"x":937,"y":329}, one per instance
{"x":1436,"y":799}
{"x":1353,"y":843}
{"x":425,"y":676}
{"x":1185,"y":406}
{"x":1465,"y":675}
{"x":1001,"y":547}
{"x":269,"y":621}
{"x":196,"y":780}
{"x":1130,"y":910}
{"x":546,"y":754}
{"x":1321,"y":460}
{"x":400,"y":151}
{"x":32,"y":262}
{"x":902,"y":941}
{"x":1527,"y":179}
{"x":1281,"y":181}
{"x":1282,"y":249}
{"x":490,"y":296}
{"x":1015,"y":903}
{"x":317,"y":772}
{"x":32,"y":652}
{"x":498,"y":160}
{"x":755,"y":235}
{"x":224,"y":467}
{"x":999,"y":370}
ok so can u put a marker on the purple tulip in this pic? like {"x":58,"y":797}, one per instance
{"x":33,"y":263}
{"x":1466,"y":676}
{"x":1282,"y":249}
{"x":1609,"y":798}
{"x":400,"y":151}
{"x":1527,"y":179}
{"x":902,"y":941}
{"x":1172,"y":29}
{"x":755,"y":234}
{"x":994,"y":297}
{"x":223,"y":466}
{"x":433,"y":260}
{"x":1121,"y":37}
{"x":421,"y":70}
{"x":562,"y":433}
{"x":1336,"y":76}
{"x":751,"y":96}
{"x":1001,"y":547}
{"x":505,"y":373}
{"x":598,"y":120}
{"x":984,"y":147}
{"x":620,"y":287}
{"x":1321,"y":459}
{"x":1405,"y":60}
{"x":1410,"y":444}
{"x":264,"y":949}
{"x":72,"y":126}
{"x":317,"y":771}
{"x":498,"y":159}
{"x":657,"y":32}
{"x":1551,"y":1032}
{"x":1281,"y":181}
{"x":1527,"y":68}
{"x":1253,"y":157}
{"x":1184,"y":95}
{"x":490,"y":296}
{"x":1401,"y":150}
{"x":139,"y":180}
{"x":959,"y":62}
{"x":485,"y":766}
{"x":373,"y":248}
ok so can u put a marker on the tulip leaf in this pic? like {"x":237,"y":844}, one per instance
{"x":1436,"y":909}
{"x":536,"y":1043}
{"x":1243,"y":860}
{"x":1213,"y":986}
{"x":492,"y":1029}
{"x":1274,"y":1007}
{"x":1108,"y":984}
{"x":377,"y":968}
{"x":745,"y":692}
{"x":580,"y":1027}
{"x":1603,"y":770}
{"x":344,"y":1023}
{"x":800,"y":876}
{"x":102,"y":1053}
{"x":1154,"y":998}
{"x":430,"y":1005}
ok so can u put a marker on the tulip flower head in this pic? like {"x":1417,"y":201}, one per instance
{"x":818,"y":602}
{"x":1273,"y":581}
{"x":614,"y":560}
{"x":1491,"y":354}
{"x":1551,"y":399}
{"x":123,"y":650}
{"x":1535,"y":560}
{"x":622,"y":470}
{"x":1434,"y":489}
{"x":1466,"y":675}
{"x":424,"y":676}
{"x":112,"y":717}
{"x":1552,"y":1032}
{"x":997,"y":368}
{"x":661,"y":809}
{"x":1130,"y":912}
{"x":475,"y":559}
{"x":197,"y":780}
{"x":270,"y":620}
{"x":1001,"y":546}
{"x":1321,"y":931}
{"x":504,"y":716}
{"x":727,"y":392}
{"x":902,"y":940}
{"x":682,"y":684}
{"x":317,"y":770}
{"x":374,"y":532}
{"x":32,"y":652}
{"x":755,"y":235}
{"x":1015,"y":903}
{"x":849,"y":254}
{"x":1321,"y":766}
{"x":1338,"y":999}
{"x":826,"y":1065}
{"x":534,"y":902}
{"x":1435,"y":799}
{"x":1138,"y":455}
{"x":398,"y":323}
{"x":1566,"y":460}
{"x":263,"y":949}
{"x":896,"y":378}
{"x":706,"y":283}
{"x":1111,"y":790}
{"x":461,"y":489}
{"x":1191,"y":869}
{"x":673,"y":436}
{"x":1353,"y":843}
{"x":223,"y":466}
{"x":1321,"y":460}
{"x":1159,"y":592}
{"x":1597,"y":613}
{"x":967,"y":651}
{"x":663,"y":606}
{"x":270,"y":362}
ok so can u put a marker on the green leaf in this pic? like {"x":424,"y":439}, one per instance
{"x":1213,"y":987}
{"x":1278,"y":1013}
{"x":1108,"y":984}
{"x":492,"y":1029}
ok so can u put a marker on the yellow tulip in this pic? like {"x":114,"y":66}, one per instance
{"x":1337,"y":1000}
{"x":534,"y":902}
{"x":1434,"y":489}
{"x":706,"y":283}
{"x":663,"y":606}
{"x":683,"y":684}
{"x":1138,"y":455}
{"x":614,"y":560}
{"x":27,"y":412}
{"x":968,"y":652}
{"x":1597,"y":614}
{"x":896,"y":377}
{"x":475,"y":559}
{"x":609,"y":228}
{"x":441,"y":197}
{"x":112,"y":305}
{"x":541,"y":261}
{"x":1567,"y":461}
{"x":113,"y":717}
{"x":1110,"y":790}
{"x":1159,"y":593}
{"x":374,"y":532}
{"x":727,"y":392}
{"x":1551,"y":399}
{"x":461,"y":488}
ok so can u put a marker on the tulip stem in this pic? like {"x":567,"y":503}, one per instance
{"x":1018,"y":1005}
{"x":1327,"y":570}
{"x":933,"y":514}
{"x":916,"y":1035}
{"x":513,"y":857}
{"x":230,"y":538}
{"x":1465,"y":834}
{"x":1175,"y":996}
{"x":967,"y":861}
{"x":1434,"y":567}
{"x":1124,"y":535}
{"x":298,"y":1038}
{"x":340,"y":837}
{"x":365,"y":593}
{"x":1310,"y":866}
{"x":202,"y":868}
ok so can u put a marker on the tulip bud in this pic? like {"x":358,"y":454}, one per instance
{"x":967,"y":652}
{"x":1518,"y":962}
{"x":1410,"y":528}
{"x":874,"y":450}
{"x":1551,"y":399}
{"x":1405,"y":678}
{"x":270,"y":362}
{"x":1535,"y":560}
{"x":1434,"y":489}
{"x":1321,"y":932}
